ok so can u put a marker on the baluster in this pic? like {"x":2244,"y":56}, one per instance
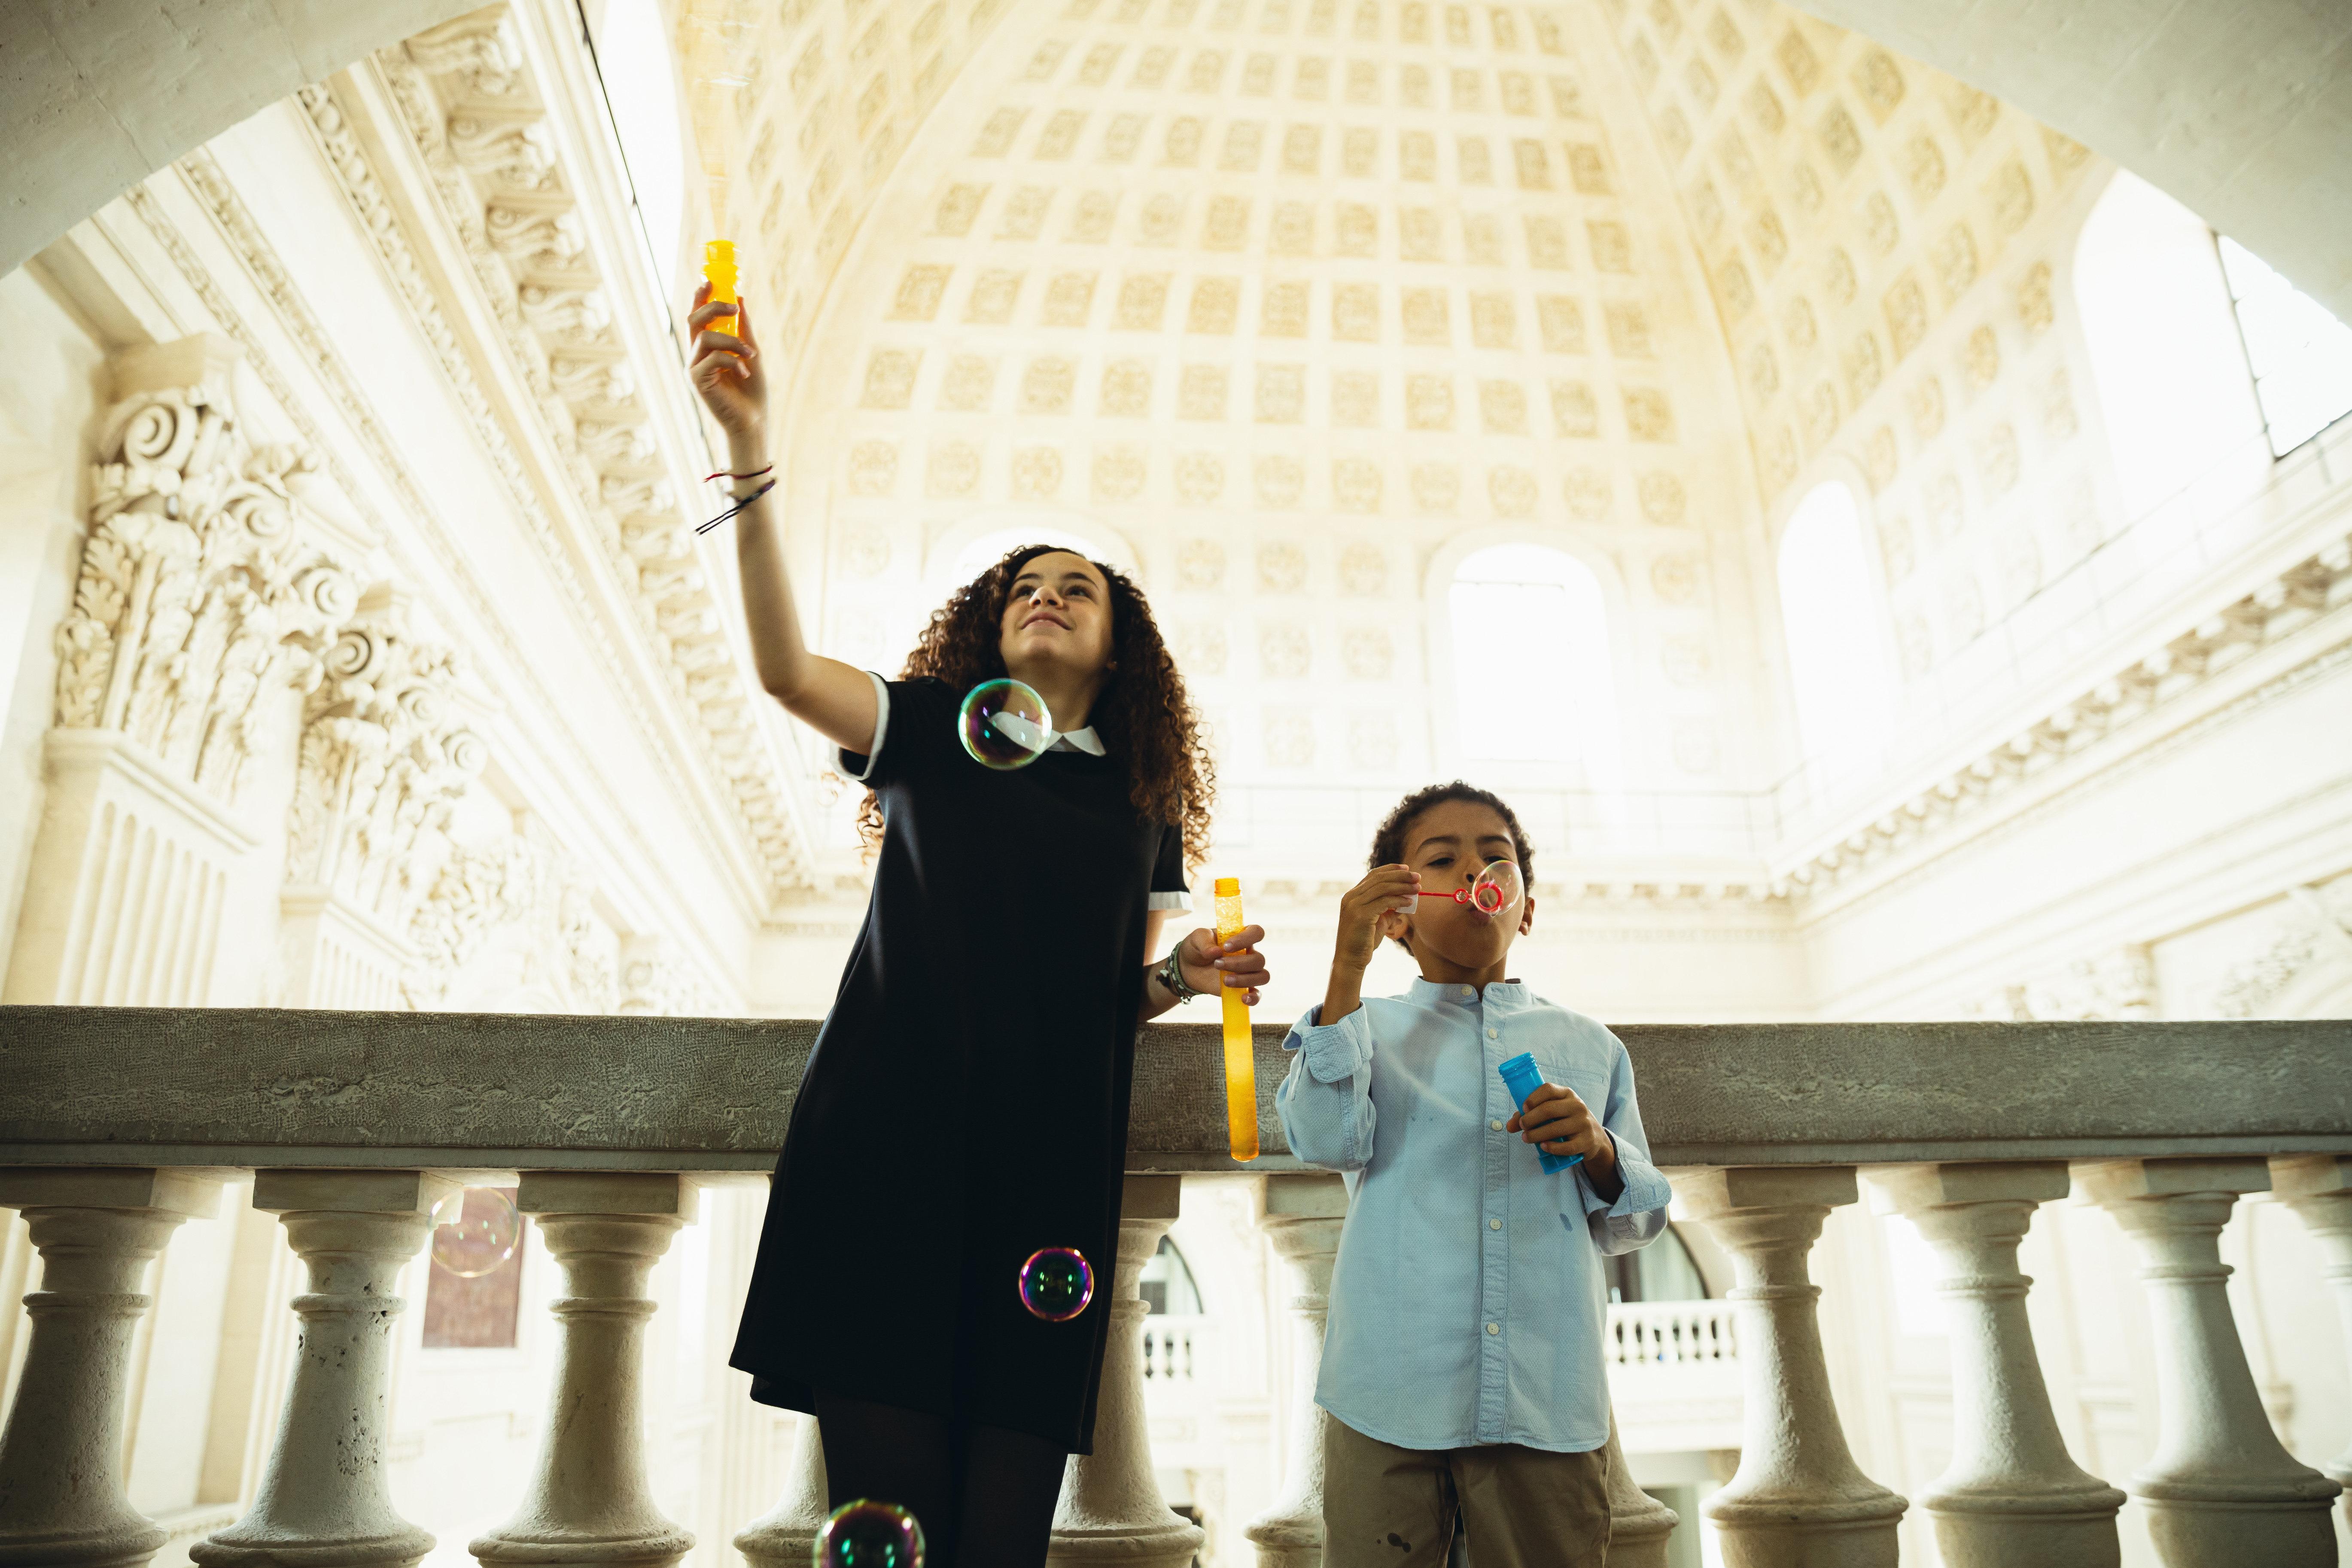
{"x":1640,"y":1526}
{"x":1111,"y":1510}
{"x":2319,"y":1188}
{"x":2220,"y":1490}
{"x":1797,"y":1497}
{"x":61,"y":1494}
{"x":785,"y":1537}
{"x":322,"y":1497}
{"x":1302,"y":1216}
{"x":2010,"y":1498}
{"x":588,"y":1500}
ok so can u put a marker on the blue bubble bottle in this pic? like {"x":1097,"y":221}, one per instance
{"x":1523,"y":1077}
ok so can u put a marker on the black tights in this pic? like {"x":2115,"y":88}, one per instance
{"x":983,"y":1495}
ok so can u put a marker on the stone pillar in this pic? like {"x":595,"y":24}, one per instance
{"x":589,"y":1501}
{"x":1798,"y":1497}
{"x":1111,"y":1510}
{"x":322,"y":1501}
{"x":2319,"y":1188}
{"x":61,"y":1494}
{"x":1302,"y":1216}
{"x":2011,"y":1497}
{"x":1641,"y":1527}
{"x":2220,"y":1490}
{"x":785,"y":1537}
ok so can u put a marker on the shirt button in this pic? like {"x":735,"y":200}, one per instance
{"x":1494,"y":1126}
{"x":1494,"y":1225}
{"x":1467,"y":993}
{"x":1494,"y":1328}
{"x":1491,"y":1034}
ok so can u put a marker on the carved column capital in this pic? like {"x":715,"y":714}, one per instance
{"x":205,"y":583}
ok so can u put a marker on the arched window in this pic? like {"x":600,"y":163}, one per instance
{"x":2165,"y":353}
{"x":2301,"y":355}
{"x":1839,"y":667}
{"x":1532,"y":676}
{"x":635,"y":61}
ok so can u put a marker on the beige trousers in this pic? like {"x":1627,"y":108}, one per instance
{"x":1386,"y":1506}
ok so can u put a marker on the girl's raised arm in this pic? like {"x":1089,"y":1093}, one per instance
{"x":834,"y":699}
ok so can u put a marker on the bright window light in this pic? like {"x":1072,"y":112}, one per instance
{"x":633,"y":55}
{"x":2164,"y":349}
{"x":989,"y":548}
{"x":2301,"y":354}
{"x":1839,"y":667}
{"x":1531,"y":670}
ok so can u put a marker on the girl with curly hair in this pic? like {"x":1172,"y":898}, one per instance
{"x":966,"y":1104}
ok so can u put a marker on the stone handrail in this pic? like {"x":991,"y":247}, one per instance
{"x":254,"y":1088}
{"x":117,"y":1125}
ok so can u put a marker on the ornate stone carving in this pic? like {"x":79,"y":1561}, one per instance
{"x":202,"y":592}
{"x":385,"y":754}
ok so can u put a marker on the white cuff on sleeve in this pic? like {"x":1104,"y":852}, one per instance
{"x":881,"y":728}
{"x":1176,"y":901}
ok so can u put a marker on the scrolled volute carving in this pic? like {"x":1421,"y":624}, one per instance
{"x":202,"y":589}
{"x":386,"y":756}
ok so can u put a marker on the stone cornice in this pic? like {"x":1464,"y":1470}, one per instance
{"x":2315,"y":589}
{"x":540,"y":284}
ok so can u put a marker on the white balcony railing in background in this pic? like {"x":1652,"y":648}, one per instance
{"x":117,"y":1126}
{"x":1674,"y":1374}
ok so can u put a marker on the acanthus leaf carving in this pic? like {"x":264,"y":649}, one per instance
{"x":203,"y":590}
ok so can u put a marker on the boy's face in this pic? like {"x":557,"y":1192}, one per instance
{"x":1449,"y":845}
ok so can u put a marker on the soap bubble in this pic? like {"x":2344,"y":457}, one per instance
{"x":1056,"y":1283}
{"x":474,"y":1231}
{"x":1005,"y":724}
{"x":1498,"y":888}
{"x":866,"y":1534}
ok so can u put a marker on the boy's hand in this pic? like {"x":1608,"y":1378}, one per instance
{"x":1235,"y":962}
{"x":1555,"y":1121}
{"x":1385,"y":890}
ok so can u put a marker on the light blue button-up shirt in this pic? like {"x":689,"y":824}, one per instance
{"x":1468,"y":1302}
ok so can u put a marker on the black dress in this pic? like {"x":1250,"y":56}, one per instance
{"x":966,"y":1100}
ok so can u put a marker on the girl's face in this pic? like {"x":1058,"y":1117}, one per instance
{"x":1056,"y":618}
{"x":1449,"y":845}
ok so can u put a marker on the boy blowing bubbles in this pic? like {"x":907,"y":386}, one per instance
{"x":1462,"y":1367}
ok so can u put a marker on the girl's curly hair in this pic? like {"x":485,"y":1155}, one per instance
{"x":1143,"y":715}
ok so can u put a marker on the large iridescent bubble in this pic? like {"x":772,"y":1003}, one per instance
{"x":870,"y":1533}
{"x":1005,"y":724}
{"x":1056,"y":1283}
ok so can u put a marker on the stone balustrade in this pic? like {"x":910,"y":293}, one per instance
{"x":118,"y":1124}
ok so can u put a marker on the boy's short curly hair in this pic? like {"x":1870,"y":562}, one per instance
{"x":1388,"y":842}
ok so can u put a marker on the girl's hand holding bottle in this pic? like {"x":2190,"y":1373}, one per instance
{"x":726,"y":372}
{"x":1212,"y":966}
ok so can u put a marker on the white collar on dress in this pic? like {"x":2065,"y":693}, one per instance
{"x":1083,"y":740}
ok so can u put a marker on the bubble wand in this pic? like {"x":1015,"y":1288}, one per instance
{"x":1241,"y":1060}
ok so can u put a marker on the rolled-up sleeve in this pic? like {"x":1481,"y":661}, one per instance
{"x":1326,"y":1098}
{"x":1638,"y":1213}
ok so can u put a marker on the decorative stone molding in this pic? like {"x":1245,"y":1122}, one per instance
{"x":385,"y":754}
{"x":2316,"y":924}
{"x":656,"y":978}
{"x":468,"y":103}
{"x":2110,"y":988}
{"x":201,"y":592}
{"x":2318,"y":585}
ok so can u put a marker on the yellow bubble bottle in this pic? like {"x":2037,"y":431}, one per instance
{"x":1241,"y":1058}
{"x":718,"y":267}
